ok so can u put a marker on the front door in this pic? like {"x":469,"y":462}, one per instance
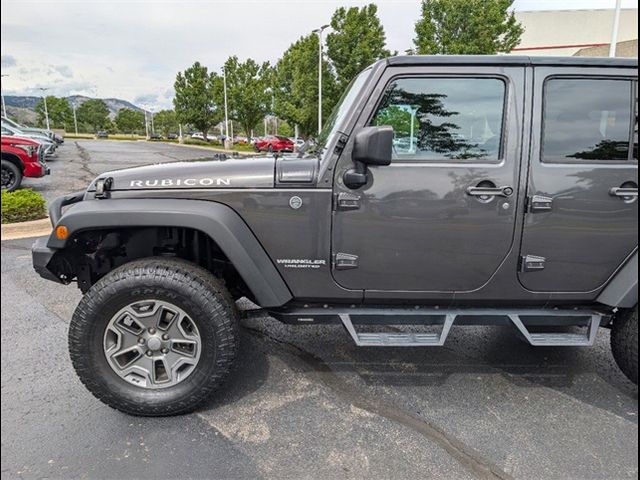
{"x":441,"y":217}
{"x":582,"y":221}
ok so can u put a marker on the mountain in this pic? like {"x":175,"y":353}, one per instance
{"x":23,"y":107}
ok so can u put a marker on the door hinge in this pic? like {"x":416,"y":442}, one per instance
{"x":539,"y":204}
{"x":345,"y":261}
{"x":346,"y":201}
{"x":340,"y":144}
{"x":532,"y":263}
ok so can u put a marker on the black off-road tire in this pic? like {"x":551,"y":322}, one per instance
{"x":10,"y":170}
{"x":191,"y":288}
{"x":624,"y":343}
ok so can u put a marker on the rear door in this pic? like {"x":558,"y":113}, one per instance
{"x":582,"y":219}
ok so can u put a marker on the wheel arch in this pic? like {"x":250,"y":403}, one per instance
{"x":622,"y":290}
{"x":217,"y":221}
{"x":13,"y":158}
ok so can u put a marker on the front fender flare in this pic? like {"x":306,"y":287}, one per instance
{"x":219,"y":221}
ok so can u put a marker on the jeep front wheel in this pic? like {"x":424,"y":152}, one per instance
{"x":624,"y":343}
{"x":154,"y":337}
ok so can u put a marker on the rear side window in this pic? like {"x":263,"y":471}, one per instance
{"x":444,"y":119}
{"x":588,"y":120}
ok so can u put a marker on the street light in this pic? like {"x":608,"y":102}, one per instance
{"x":4,"y":107}
{"x":319,"y":32}
{"x":226,"y":110}
{"x":46,"y":111}
{"x":616,"y":26}
{"x":75,"y":119}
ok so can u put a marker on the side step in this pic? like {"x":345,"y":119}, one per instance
{"x":398,"y":339}
{"x":411,"y":339}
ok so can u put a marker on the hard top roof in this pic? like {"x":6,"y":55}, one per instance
{"x":515,"y":60}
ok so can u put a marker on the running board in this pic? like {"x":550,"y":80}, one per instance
{"x":410,"y":339}
{"x":398,"y":339}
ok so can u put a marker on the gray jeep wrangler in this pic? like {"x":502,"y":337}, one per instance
{"x":442,"y":190}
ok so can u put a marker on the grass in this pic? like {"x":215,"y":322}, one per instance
{"x":22,"y":206}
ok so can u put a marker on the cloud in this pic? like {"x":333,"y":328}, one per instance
{"x":146,"y":99}
{"x":63,"y":70}
{"x":8,"y":61}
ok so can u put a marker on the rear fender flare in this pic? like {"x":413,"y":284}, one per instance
{"x":219,"y":221}
{"x":622,"y":290}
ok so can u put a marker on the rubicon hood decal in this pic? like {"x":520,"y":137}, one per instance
{"x":236,"y":173}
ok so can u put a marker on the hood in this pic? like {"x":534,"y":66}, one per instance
{"x":194,"y":174}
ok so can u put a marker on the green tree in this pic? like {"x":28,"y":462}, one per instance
{"x":93,"y":114}
{"x":295,"y":86}
{"x":129,"y":121}
{"x":166,"y":121}
{"x":357,"y":41}
{"x":199,"y":98}
{"x":248,"y":94}
{"x":60,"y":113}
{"x":459,"y":27}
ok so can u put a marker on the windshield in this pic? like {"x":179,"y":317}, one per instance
{"x":340,"y":110}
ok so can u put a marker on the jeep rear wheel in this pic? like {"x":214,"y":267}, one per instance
{"x":11,"y":176}
{"x":624,"y":343}
{"x":154,"y":337}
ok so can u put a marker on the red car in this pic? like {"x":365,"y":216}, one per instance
{"x":273,"y":143}
{"x":21,"y":157}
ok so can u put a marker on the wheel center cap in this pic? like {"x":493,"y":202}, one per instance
{"x":154,"y":343}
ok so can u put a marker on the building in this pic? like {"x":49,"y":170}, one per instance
{"x":577,"y":32}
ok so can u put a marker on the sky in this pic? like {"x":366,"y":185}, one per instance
{"x":132,"y":49}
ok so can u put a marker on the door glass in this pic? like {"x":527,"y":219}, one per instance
{"x":586,"y":119}
{"x":444,"y":118}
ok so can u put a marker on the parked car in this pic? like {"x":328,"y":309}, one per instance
{"x":42,"y":131}
{"x":172,"y":136}
{"x":516,"y":205}
{"x":273,"y":143}
{"x":21,"y":157}
{"x":298,"y":142}
{"x":155,"y":136}
{"x":49,"y":146}
{"x":102,"y":134}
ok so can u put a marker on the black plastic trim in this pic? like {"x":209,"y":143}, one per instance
{"x":622,"y":290}
{"x":220,"y":222}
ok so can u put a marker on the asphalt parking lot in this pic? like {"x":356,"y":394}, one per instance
{"x":305,"y":402}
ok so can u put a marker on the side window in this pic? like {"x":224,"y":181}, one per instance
{"x":444,"y":118}
{"x":586,"y":120}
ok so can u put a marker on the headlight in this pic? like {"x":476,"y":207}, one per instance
{"x":30,"y":149}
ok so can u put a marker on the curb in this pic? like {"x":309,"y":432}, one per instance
{"x":33,"y":228}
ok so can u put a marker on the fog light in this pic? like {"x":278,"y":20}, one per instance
{"x":62,"y":232}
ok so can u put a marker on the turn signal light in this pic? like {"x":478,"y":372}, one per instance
{"x":62,"y":232}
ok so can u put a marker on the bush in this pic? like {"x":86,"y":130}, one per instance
{"x":22,"y":205}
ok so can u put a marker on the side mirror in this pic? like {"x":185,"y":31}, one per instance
{"x":372,"y":146}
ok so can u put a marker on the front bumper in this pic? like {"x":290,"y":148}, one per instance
{"x":41,"y":256}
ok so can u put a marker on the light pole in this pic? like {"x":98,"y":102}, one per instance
{"x":319,"y":32}
{"x":153,"y":130}
{"x":616,"y":27}
{"x":46,"y":111}
{"x":146,"y":125}
{"x":4,"y":107}
{"x":75,"y":119}
{"x":226,"y":108}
